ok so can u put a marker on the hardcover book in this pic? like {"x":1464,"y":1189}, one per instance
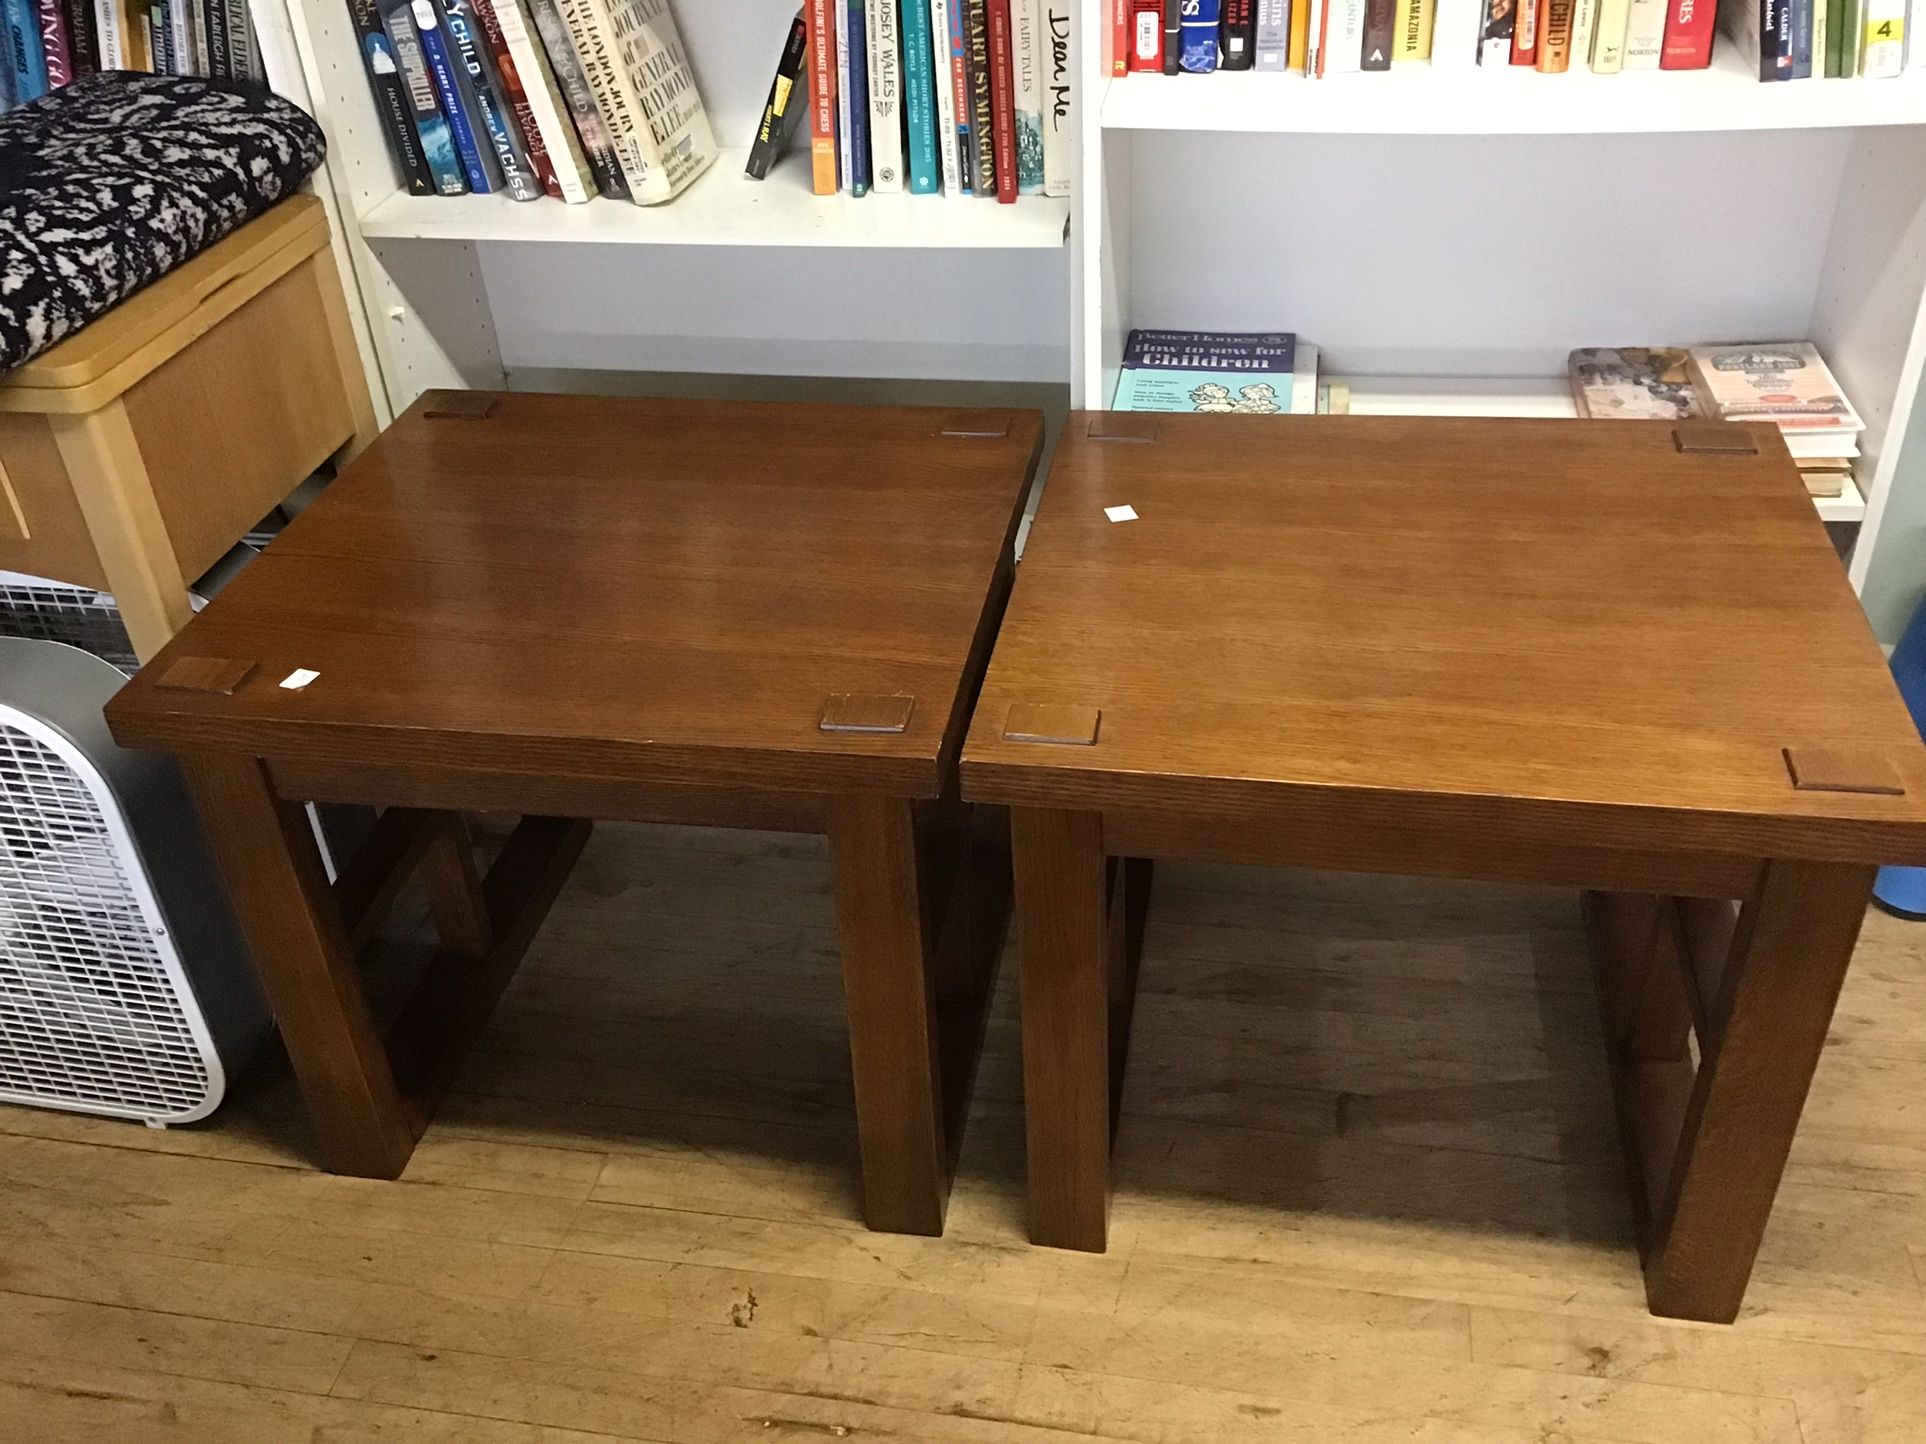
{"x":513,"y":89}
{"x":859,"y":148}
{"x":598,"y":146}
{"x":643,"y":86}
{"x":943,"y":73}
{"x":1343,"y":51}
{"x":1146,"y":54}
{"x":840,"y":23}
{"x":1645,"y":34}
{"x":1057,"y":139}
{"x":83,"y":44}
{"x":919,"y":100}
{"x":1415,"y":22}
{"x":783,"y":105}
{"x":390,"y":98}
{"x":1633,"y":383}
{"x":25,"y":61}
{"x":1687,"y":44}
{"x":547,"y":106}
{"x":1786,"y":383}
{"x":1238,"y":36}
{"x":1027,"y":58}
{"x":1380,"y":26}
{"x":482,"y":88}
{"x":982,"y":110}
{"x":1555,"y":37}
{"x":1210,"y":371}
{"x":1495,"y":33}
{"x":1003,"y":99}
{"x":1173,"y":36}
{"x":1198,"y":36}
{"x":821,"y":32}
{"x":885,"y":98}
{"x":1608,"y":37}
{"x":1273,"y":40}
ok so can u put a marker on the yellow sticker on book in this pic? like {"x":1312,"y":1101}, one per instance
{"x":1886,"y":32}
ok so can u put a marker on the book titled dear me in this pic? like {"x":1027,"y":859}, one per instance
{"x":1207,"y":371}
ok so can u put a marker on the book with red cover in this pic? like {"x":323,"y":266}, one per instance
{"x":1003,"y":100}
{"x":1524,"y":32}
{"x":1119,"y":36}
{"x":1688,"y":34}
{"x":516,"y":98}
{"x":821,"y":23}
{"x":1147,"y":35}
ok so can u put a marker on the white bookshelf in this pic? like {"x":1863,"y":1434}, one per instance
{"x":1445,"y":235}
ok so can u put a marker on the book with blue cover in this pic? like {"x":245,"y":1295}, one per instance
{"x":482,"y":88}
{"x":418,"y":85}
{"x":26,"y":61}
{"x":859,"y":159}
{"x":1247,"y":372}
{"x":476,"y":161}
{"x":919,"y":100}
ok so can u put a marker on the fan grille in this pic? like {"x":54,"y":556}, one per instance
{"x":88,"y":1013}
{"x":55,"y":612}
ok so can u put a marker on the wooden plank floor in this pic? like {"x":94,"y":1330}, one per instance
{"x":1368,"y":1191}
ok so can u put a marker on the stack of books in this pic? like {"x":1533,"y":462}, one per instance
{"x":50,"y":43}
{"x":952,"y":97}
{"x":1248,"y":373}
{"x":1782,"y":39}
{"x":1786,"y":383}
{"x":568,"y":99}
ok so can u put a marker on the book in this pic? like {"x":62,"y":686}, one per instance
{"x":482,"y":178}
{"x":1119,"y":36}
{"x":243,"y":53}
{"x":1026,"y":58}
{"x":1208,"y":371}
{"x":1003,"y":100}
{"x":1317,"y":27}
{"x":547,"y":107}
{"x":1299,"y":56}
{"x":840,"y":23}
{"x":160,"y":38}
{"x":182,"y":22}
{"x":783,"y":103}
{"x":1584,"y":17}
{"x":513,"y":90}
{"x":598,"y":145}
{"x":1832,"y":26}
{"x":83,"y":37}
{"x":1634,"y":383}
{"x":949,"y":151}
{"x":821,"y":35}
{"x":483,"y":90}
{"x":1495,"y":29}
{"x":1198,"y":36}
{"x":958,"y":52}
{"x":56,"y":50}
{"x":108,"y":35}
{"x":635,"y":63}
{"x":391,"y":98}
{"x":1146,"y":51}
{"x":1555,"y":38}
{"x":418,"y":88}
{"x":1786,"y":383}
{"x":925,"y":176}
{"x":1380,"y":33}
{"x":219,"y":57}
{"x":26,"y":63}
{"x":1303,"y":391}
{"x":1799,"y":24}
{"x":1608,"y":36}
{"x":1173,"y":36}
{"x":1344,"y":37}
{"x":1644,"y":34}
{"x":1272,"y":44}
{"x":885,"y":98}
{"x":1059,"y":156}
{"x":982,"y":111}
{"x":1416,"y":19}
{"x":1882,"y":48}
{"x":859,"y":148}
{"x":1237,"y":37}
{"x":1755,"y":27}
{"x":1524,"y":31}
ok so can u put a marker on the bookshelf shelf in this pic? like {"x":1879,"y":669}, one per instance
{"x":726,"y":208}
{"x":1531,"y":396}
{"x":1470,"y":100}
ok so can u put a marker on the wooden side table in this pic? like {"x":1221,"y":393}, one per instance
{"x":573,"y":607}
{"x":136,"y":452}
{"x":1618,"y":656}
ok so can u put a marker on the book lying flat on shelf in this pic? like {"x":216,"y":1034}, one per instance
{"x":1787,"y":382}
{"x":1634,"y":383}
{"x":1246,"y":372}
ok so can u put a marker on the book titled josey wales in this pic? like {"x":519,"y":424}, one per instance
{"x":1240,"y":371}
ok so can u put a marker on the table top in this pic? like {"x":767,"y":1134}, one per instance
{"x":1501,"y":623}
{"x":598,"y":587}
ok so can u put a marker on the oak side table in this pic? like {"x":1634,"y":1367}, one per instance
{"x":1614,"y":655}
{"x":574,"y":607}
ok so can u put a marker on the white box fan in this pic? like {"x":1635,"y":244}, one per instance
{"x":124,"y":985}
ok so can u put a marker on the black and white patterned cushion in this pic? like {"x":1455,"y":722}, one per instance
{"x":108,"y":184}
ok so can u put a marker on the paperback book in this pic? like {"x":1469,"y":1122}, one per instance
{"x":1245,"y":372}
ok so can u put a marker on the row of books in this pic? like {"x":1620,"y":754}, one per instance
{"x":958,"y":97}
{"x":1788,"y":39}
{"x":50,"y":43}
{"x":569,"y":99}
{"x":1787,"y":383}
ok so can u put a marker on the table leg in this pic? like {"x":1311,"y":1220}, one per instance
{"x":306,"y":965}
{"x":889,"y":992}
{"x":1712,"y":1142}
{"x":1063,"y":950}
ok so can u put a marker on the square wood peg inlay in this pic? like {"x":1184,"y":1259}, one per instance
{"x":460,"y":406}
{"x":1124,"y":426}
{"x":1842,"y":769}
{"x":865,"y":712}
{"x":205,"y":674}
{"x":1713,"y":439}
{"x":1064,"y":724}
{"x":988,"y":425}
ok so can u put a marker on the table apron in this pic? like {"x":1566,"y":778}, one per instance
{"x":1420,"y":851}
